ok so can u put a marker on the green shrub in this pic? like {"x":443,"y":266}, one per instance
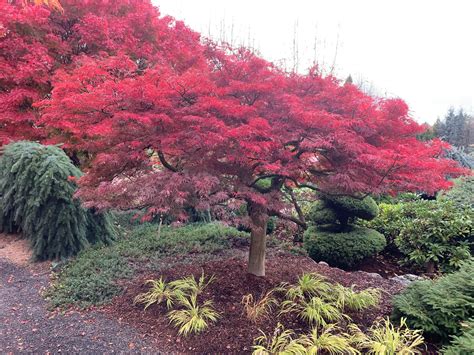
{"x":343,"y":249}
{"x":37,"y":199}
{"x":320,"y":214}
{"x":440,"y":235}
{"x":349,"y":207}
{"x":399,"y":198}
{"x":462,"y":193}
{"x":464,"y":343}
{"x":389,"y":222}
{"x":429,"y":233}
{"x":341,"y":210}
{"x":91,"y":278}
{"x":438,"y":307}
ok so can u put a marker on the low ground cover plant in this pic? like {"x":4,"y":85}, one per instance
{"x":439,"y":307}
{"x":461,"y":194}
{"x":91,"y":278}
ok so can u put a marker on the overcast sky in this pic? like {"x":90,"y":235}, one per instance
{"x":419,"y":50}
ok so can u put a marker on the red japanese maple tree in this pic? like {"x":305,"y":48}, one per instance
{"x":170,"y":122}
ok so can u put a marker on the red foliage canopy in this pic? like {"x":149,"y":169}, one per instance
{"x":170,"y":121}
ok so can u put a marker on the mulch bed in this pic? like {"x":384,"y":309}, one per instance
{"x":234,"y":332}
{"x":386,"y":264}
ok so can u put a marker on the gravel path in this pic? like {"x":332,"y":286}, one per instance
{"x":26,"y":326}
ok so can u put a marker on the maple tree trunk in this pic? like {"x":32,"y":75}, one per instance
{"x":259,"y":219}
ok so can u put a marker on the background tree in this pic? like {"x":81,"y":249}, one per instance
{"x":456,"y":128}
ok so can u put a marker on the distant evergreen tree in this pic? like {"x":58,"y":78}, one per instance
{"x":36,"y":199}
{"x":439,"y":128}
{"x":455,"y":128}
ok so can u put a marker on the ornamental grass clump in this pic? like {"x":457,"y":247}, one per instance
{"x":349,"y":299}
{"x":323,"y":306}
{"x":159,"y":292}
{"x":257,"y":309}
{"x":192,"y":317}
{"x":282,"y":341}
{"x":37,"y":199}
{"x":384,"y":338}
{"x":181,"y":296}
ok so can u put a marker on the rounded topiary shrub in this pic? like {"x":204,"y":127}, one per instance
{"x":320,"y":214}
{"x":36,"y":199}
{"x":348,"y":207}
{"x":342,"y":248}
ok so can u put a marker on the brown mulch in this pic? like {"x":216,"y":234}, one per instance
{"x":234,"y":332}
{"x":387,"y":264}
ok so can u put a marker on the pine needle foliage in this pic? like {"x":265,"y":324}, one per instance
{"x":464,"y":343}
{"x":36,"y":199}
{"x":438,"y":307}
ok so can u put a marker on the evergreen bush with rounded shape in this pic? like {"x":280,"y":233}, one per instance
{"x":438,"y":307}
{"x":333,"y":238}
{"x":348,"y":207}
{"x":36,"y":191}
{"x":342,"y":249}
{"x":320,"y":214}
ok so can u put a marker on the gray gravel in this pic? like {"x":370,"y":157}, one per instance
{"x":26,"y":326}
